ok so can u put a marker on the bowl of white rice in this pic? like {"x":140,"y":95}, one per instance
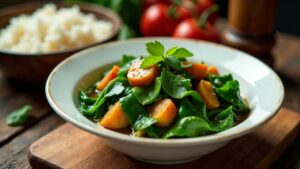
{"x":35,"y":37}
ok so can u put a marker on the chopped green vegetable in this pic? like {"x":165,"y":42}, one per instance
{"x":172,"y":84}
{"x":147,"y":95}
{"x":191,"y":126}
{"x":230,"y":92}
{"x":18,"y":117}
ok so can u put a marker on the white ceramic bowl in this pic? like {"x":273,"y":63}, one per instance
{"x":259,"y":84}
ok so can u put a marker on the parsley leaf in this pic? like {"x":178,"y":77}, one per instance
{"x":155,"y":48}
{"x":182,"y":53}
{"x":171,"y":51}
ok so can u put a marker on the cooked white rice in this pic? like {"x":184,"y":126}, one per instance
{"x":50,"y":29}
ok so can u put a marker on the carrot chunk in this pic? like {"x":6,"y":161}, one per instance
{"x":164,"y":111}
{"x":115,"y":118}
{"x":108,"y":77}
{"x":141,"y":77}
{"x":208,"y":94}
{"x":197,"y":70}
{"x":213,"y":70}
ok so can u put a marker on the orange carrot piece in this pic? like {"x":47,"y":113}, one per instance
{"x":164,"y":111}
{"x":213,"y":70}
{"x":208,"y":94}
{"x":108,"y":77}
{"x":141,"y":77}
{"x":115,"y":118}
{"x":198,"y":71}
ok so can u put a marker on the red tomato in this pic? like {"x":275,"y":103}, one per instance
{"x":184,"y":13}
{"x":190,"y":29}
{"x":202,"y":5}
{"x":155,"y":21}
{"x":148,"y":3}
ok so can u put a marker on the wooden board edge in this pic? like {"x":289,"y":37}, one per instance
{"x":275,"y":154}
{"x":36,"y":162}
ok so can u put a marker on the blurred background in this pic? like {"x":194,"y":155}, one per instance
{"x":288,"y":17}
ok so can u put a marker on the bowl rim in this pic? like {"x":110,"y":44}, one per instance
{"x":201,"y":140}
{"x":113,"y":17}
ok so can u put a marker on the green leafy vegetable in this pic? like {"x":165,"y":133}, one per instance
{"x":18,"y":117}
{"x":125,"y":64}
{"x":83,"y":98}
{"x":116,"y":89}
{"x":219,"y":80}
{"x":172,"y":84}
{"x":143,"y":122}
{"x":191,"y":126}
{"x":147,"y":95}
{"x":174,"y":63}
{"x":171,"y":51}
{"x":224,"y":120}
{"x":230,"y":92}
{"x":113,"y":88}
{"x":136,"y":113}
{"x":150,"y":61}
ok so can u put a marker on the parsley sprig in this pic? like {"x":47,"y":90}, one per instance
{"x":157,"y":54}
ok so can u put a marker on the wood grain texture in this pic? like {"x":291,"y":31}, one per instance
{"x":18,"y":144}
{"x":70,"y":147}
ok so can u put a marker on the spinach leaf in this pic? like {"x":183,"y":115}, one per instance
{"x":186,"y":108}
{"x":182,"y":53}
{"x":187,"y":83}
{"x":113,"y":88}
{"x":230,"y":92}
{"x":224,"y":120}
{"x":191,"y":126}
{"x":143,"y":122}
{"x":135,"y":114}
{"x":116,"y":89}
{"x":174,"y":63}
{"x":172,"y":84}
{"x":125,"y":65}
{"x":196,"y":100}
{"x":219,"y":80}
{"x":18,"y":117}
{"x":84,"y":99}
{"x":147,"y":95}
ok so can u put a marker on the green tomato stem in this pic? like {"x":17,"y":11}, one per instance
{"x":205,"y":15}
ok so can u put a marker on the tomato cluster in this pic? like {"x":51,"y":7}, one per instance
{"x":179,"y":20}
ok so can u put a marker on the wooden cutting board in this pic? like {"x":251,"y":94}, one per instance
{"x":70,"y":147}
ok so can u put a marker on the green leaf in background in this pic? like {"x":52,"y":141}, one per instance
{"x":150,"y":61}
{"x":155,"y":48}
{"x":147,"y":95}
{"x":182,"y":53}
{"x":126,"y":32}
{"x":18,"y":117}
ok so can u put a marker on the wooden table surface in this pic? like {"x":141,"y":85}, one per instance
{"x":14,"y":141}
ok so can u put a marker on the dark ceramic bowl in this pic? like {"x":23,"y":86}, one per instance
{"x":35,"y":68}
